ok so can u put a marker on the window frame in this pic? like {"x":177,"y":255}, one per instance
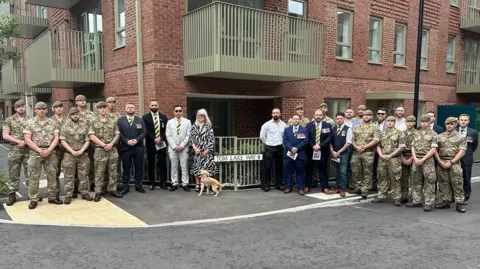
{"x":425,"y":67}
{"x":380,"y":32}
{"x":119,"y":30}
{"x":452,"y":61}
{"x":403,"y":53}
{"x":454,"y":3}
{"x":334,"y":102}
{"x":350,"y":34}
{"x":305,"y":9}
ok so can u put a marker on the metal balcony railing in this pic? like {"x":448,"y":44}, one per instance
{"x":470,"y":18}
{"x":468,"y":79}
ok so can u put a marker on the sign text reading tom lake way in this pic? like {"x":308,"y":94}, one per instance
{"x":238,"y":158}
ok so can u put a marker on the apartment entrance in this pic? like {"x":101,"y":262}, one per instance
{"x":220,"y":111}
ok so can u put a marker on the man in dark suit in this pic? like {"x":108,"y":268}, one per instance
{"x":319,"y":136}
{"x":295,"y":138}
{"x":436,"y":128}
{"x":132,"y":132}
{"x":156,"y":145}
{"x":467,"y":160}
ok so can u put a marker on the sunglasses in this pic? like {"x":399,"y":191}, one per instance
{"x":178,"y":111}
{"x":381,"y":113}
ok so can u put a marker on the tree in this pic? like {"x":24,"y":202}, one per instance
{"x":10,"y":28}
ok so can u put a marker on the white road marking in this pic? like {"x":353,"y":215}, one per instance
{"x":19,"y":195}
{"x":3,"y":146}
{"x":475,"y":179}
{"x":324,"y":196}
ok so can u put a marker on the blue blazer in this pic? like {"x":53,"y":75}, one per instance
{"x":291,"y":141}
{"x":326,"y":135}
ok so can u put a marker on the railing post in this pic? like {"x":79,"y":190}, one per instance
{"x":235,"y":165}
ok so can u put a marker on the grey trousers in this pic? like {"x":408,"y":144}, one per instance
{"x":175,"y":158}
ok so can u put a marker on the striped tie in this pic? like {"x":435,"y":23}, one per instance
{"x":130,"y":121}
{"x":157,"y":130}
{"x":178,"y":126}
{"x":317,"y":136}
{"x":338,"y":130}
{"x":295,"y":131}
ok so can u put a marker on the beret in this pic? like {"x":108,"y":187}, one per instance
{"x":411,"y":118}
{"x":451,"y":119}
{"x":110,"y":100}
{"x":101,"y":104}
{"x":73,"y":110}
{"x":368,"y":112}
{"x":80,"y":98}
{"x":57,"y":104}
{"x":362,"y":107}
{"x":41,"y":105}
{"x":391,"y":118}
{"x":19,"y":103}
{"x":424,"y":118}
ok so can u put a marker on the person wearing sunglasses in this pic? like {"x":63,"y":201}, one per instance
{"x":382,"y":126}
{"x":451,"y":148}
{"x":178,"y":137}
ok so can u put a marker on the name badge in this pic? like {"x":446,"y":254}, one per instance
{"x":469,"y":139}
{"x":326,"y":130}
{"x":300,"y":136}
{"x":344,"y":133}
{"x":139,"y":126}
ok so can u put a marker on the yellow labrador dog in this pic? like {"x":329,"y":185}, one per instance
{"x":207,"y":182}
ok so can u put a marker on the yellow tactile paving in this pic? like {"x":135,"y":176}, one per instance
{"x":79,"y":212}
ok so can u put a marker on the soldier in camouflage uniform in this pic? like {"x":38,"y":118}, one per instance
{"x":391,"y":144}
{"x":327,"y":119}
{"x":75,"y":141}
{"x":365,"y":138}
{"x":111,"y":101}
{"x":88,"y":116}
{"x":104,"y":133}
{"x":451,"y":148}
{"x":18,"y":152}
{"x":424,"y":146}
{"x":303,"y":120}
{"x":41,"y":135}
{"x":407,"y":158}
{"x":59,"y":119}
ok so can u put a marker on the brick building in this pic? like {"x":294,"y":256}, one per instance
{"x":239,"y":59}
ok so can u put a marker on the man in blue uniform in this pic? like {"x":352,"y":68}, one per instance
{"x":295,"y":139}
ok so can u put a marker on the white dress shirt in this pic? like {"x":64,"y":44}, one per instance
{"x":401,"y":125}
{"x":464,"y":133}
{"x":272,"y":132}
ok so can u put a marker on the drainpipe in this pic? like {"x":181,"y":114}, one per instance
{"x":138,"y":13}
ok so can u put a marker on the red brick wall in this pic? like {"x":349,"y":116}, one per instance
{"x":250,"y":115}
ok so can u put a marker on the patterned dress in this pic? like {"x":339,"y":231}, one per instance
{"x":203,"y":138}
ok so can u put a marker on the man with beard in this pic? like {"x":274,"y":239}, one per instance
{"x":358,"y":120}
{"x":59,"y":119}
{"x":155,"y":125}
{"x":400,"y":122}
{"x":303,"y":120}
{"x":271,"y":135}
{"x":75,"y":141}
{"x":18,"y":152}
{"x":349,"y":113}
{"x":132,"y":132}
{"x":324,"y":108}
{"x":365,"y":138}
{"x":382,"y":126}
{"x":407,"y":159}
{"x":471,"y":135}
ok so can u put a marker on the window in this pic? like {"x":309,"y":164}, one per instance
{"x":41,"y":12}
{"x":120,"y":22}
{"x":344,"y":34}
{"x":424,"y":54}
{"x":472,"y":3}
{"x":399,"y":45}
{"x":421,"y":110}
{"x":450,"y":63}
{"x":297,"y":8}
{"x":395,"y":104}
{"x":454,"y":3}
{"x":375,"y":41}
{"x":336,"y":105}
{"x":472,"y":54}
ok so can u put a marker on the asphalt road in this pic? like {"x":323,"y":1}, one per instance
{"x":357,"y":236}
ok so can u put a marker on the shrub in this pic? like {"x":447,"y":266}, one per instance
{"x":3,"y":185}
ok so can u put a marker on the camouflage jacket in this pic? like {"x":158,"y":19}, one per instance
{"x":303,"y":121}
{"x":114,"y":115}
{"x":42,"y":135}
{"x":449,"y":145}
{"x":423,"y":141}
{"x":58,"y":122}
{"x":409,"y":135}
{"x":364,"y":134}
{"x":104,"y":129}
{"x":391,"y":140}
{"x":15,"y":125}
{"x":75,"y":134}
{"x":88,"y":115}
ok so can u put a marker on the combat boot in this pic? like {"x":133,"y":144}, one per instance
{"x":116,"y":194}
{"x":412,"y":204}
{"x":97,"y":198}
{"x":32,"y":205}
{"x":427,"y":208}
{"x":12,"y":198}
{"x":55,"y":200}
{"x":68,"y":200}
{"x":377,"y":200}
{"x":461,"y":208}
{"x":87,"y":197}
{"x":397,"y":203}
{"x":443,"y":205}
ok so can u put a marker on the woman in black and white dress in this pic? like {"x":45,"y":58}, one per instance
{"x":203,"y":142}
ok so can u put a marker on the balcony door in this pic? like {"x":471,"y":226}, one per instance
{"x":471,"y":62}
{"x":92,"y":39}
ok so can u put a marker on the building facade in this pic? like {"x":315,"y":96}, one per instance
{"x":240,"y":58}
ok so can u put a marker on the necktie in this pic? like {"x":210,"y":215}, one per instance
{"x":462,"y":131}
{"x":157,"y":129}
{"x":178,"y":126}
{"x":295,"y":131}
{"x":317,"y":135}
{"x":338,"y":130}
{"x":130,"y":121}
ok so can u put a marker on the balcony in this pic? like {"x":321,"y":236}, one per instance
{"x":468,"y":79}
{"x":470,"y":19}
{"x":14,"y":80}
{"x":7,"y":47}
{"x":65,"y":59}
{"x":228,"y":41}
{"x":62,"y":4}
{"x":32,"y":18}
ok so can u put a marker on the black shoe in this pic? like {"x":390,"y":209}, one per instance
{"x":404,"y":201}
{"x":55,"y":200}
{"x":377,"y":200}
{"x":443,"y":205}
{"x":140,"y":189}
{"x":97,"y":198}
{"x":116,"y":194}
{"x":163,"y":186}
{"x":125,"y":191}
{"x":186,"y":188}
{"x":68,"y":200}
{"x":397,"y":203}
{"x":12,"y":198}
{"x":364,"y":197}
{"x":74,"y":195}
{"x":32,"y":205}
{"x":427,"y":208}
{"x":461,"y":208}
{"x":466,"y":198}
{"x":87,"y":197}
{"x":173,"y":188}
{"x":152,"y":187}
{"x":412,"y":204}
{"x":279,"y":188}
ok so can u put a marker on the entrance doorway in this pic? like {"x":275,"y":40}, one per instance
{"x":220,"y":111}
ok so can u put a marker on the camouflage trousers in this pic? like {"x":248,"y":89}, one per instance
{"x":17,"y":157}
{"x":91,"y":156}
{"x":362,"y":164}
{"x":405,"y":181}
{"x":35,"y":164}
{"x":389,"y":174}
{"x":79,"y":165}
{"x":451,"y":179}
{"x":105,"y":160}
{"x":60,"y":154}
{"x":423,"y":182}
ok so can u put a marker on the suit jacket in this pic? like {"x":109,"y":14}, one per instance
{"x":181,"y":139}
{"x":325,"y":136}
{"x":136,"y":131}
{"x":472,"y":143}
{"x":150,"y":127}
{"x":299,"y":141}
